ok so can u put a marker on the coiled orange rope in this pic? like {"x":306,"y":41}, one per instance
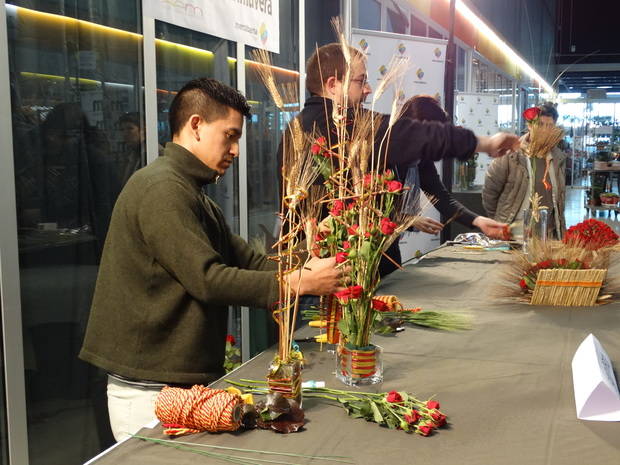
{"x":394,"y":305}
{"x":186,"y":411}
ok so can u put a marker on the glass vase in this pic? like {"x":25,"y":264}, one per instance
{"x":534,"y":228}
{"x":285,"y":378}
{"x":359,"y":366}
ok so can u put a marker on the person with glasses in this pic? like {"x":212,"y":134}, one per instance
{"x":409,"y":140}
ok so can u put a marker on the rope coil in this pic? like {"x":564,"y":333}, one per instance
{"x":187,"y":411}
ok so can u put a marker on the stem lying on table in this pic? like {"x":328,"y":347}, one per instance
{"x":332,"y":458}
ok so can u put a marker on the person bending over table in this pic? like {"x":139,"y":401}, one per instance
{"x":171,"y":265}
{"x":410,"y":140}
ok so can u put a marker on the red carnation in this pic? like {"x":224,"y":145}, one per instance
{"x":341,"y":257}
{"x":394,"y":397}
{"x":432,"y":404}
{"x":413,"y":417}
{"x":231,"y":339}
{"x":380,"y":305}
{"x":531,"y":114}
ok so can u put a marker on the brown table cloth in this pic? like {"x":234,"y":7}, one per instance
{"x":506,"y":385}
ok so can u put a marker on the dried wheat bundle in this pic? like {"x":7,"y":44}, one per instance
{"x":568,"y":288}
{"x":542,"y":139}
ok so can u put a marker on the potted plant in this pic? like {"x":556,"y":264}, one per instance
{"x":609,"y":198}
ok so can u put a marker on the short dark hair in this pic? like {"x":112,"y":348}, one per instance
{"x":549,"y":109}
{"x":424,"y":108}
{"x":208,"y":98}
{"x":325,"y":62}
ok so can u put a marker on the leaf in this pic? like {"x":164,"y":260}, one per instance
{"x":376,"y":413}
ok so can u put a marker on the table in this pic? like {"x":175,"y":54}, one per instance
{"x":506,"y":385}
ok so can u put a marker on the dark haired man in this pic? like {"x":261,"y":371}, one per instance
{"x":409,"y":140}
{"x":171,"y":266}
{"x":508,"y":180}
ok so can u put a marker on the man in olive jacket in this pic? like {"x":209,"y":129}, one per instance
{"x":171,"y":266}
{"x":507,"y":184}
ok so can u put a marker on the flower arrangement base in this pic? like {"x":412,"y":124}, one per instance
{"x":359,"y":366}
{"x":568,"y":288}
{"x":285,"y":378}
{"x":331,"y":312}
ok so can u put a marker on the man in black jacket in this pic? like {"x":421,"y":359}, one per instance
{"x":409,"y":140}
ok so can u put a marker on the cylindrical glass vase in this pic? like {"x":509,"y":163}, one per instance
{"x":535,"y":226}
{"x":359,"y":366}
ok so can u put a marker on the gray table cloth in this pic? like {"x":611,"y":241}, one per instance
{"x":506,"y":385}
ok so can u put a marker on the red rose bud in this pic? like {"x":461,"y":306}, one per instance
{"x":346,"y":245}
{"x":413,"y":417}
{"x":531,"y":114}
{"x":326,"y":153}
{"x":439,"y":419}
{"x":352,"y":231}
{"x":356,"y":291}
{"x":315,"y":149}
{"x":394,"y":186}
{"x":394,"y":397}
{"x":387,"y":226}
{"x":380,"y":306}
{"x":341,"y":257}
{"x":432,"y":404}
{"x":230,"y":339}
{"x":424,"y":430}
{"x":523,"y":284}
{"x":388,"y":175}
{"x":321,"y":141}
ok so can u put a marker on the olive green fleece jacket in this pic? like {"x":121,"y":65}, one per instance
{"x":170,"y":269}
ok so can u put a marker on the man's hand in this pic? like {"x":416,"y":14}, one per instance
{"x":428,"y":225}
{"x":319,"y":277}
{"x":492,"y":228}
{"x":498,"y":144}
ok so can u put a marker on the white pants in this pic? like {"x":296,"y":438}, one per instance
{"x":130,"y":407}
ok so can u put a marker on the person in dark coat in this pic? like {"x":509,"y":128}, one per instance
{"x":410,"y":140}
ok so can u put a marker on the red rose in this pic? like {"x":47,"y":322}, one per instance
{"x":319,"y":237}
{"x":432,"y":404}
{"x":351,"y":205}
{"x":356,"y":291}
{"x":337,"y":208}
{"x":531,"y":114}
{"x":523,"y":284}
{"x":341,"y":257}
{"x":321,"y":141}
{"x":367,"y":180}
{"x":424,"y":430}
{"x":394,"y":186}
{"x":315,"y":149}
{"x":413,"y":417}
{"x":327,"y":153}
{"x":380,"y":306}
{"x":343,"y":296}
{"x":394,"y":397}
{"x":439,"y":419}
{"x":352,"y":231}
{"x":346,"y":245}
{"x":387,"y":226}
{"x":230,"y":339}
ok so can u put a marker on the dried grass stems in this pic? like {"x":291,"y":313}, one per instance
{"x":597,"y":260}
{"x":542,"y":139}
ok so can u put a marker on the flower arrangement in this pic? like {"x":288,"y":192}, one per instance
{"x":232,"y":354}
{"x":528,"y":281}
{"x":591,"y":234}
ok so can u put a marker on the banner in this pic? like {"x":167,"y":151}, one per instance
{"x":425,"y":75}
{"x":252,"y":22}
{"x":478,"y":112}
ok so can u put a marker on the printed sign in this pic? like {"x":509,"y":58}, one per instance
{"x":596,"y":390}
{"x":425,"y":75}
{"x":252,"y":22}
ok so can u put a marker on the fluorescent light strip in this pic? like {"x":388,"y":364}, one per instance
{"x":485,"y":30}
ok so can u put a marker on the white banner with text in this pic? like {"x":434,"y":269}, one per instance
{"x":252,"y":22}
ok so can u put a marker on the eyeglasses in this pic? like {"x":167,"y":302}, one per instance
{"x":363,"y":81}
